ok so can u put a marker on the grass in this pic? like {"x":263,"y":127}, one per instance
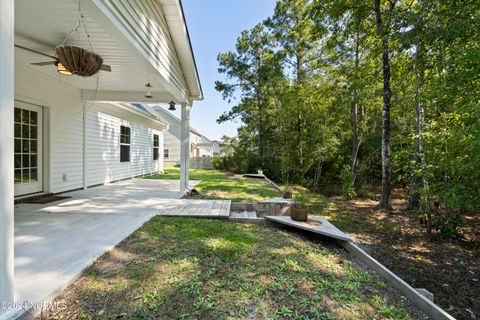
{"x":395,"y":239}
{"x":180,"y":268}
{"x":218,"y":185}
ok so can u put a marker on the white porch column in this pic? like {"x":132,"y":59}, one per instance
{"x":185,"y":147}
{"x":6,"y":149}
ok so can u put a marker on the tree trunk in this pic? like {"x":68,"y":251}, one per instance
{"x":418,"y":155}
{"x":299,"y":80}
{"x":261,"y":142}
{"x":387,"y":93}
{"x":355,"y":140}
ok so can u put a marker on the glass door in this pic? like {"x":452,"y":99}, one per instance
{"x":28,"y":148}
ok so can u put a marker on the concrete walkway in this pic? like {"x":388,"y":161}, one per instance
{"x":55,"y":242}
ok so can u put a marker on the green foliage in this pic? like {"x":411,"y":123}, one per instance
{"x":348,"y":190}
{"x":307,"y":83}
{"x":218,"y":163}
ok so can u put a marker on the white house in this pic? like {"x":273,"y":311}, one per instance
{"x":200,"y":146}
{"x":217,"y":148}
{"x":205,"y":147}
{"x":59,"y":132}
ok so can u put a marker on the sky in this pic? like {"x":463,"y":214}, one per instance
{"x":214,"y":26}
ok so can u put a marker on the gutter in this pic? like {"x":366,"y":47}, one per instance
{"x":121,"y":105}
{"x":200,"y":97}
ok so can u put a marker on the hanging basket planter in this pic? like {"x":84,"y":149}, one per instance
{"x":79,"y":61}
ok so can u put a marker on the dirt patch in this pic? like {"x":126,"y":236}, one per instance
{"x":449,"y":268}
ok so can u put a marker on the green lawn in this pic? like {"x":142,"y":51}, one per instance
{"x":218,"y":185}
{"x":180,"y":268}
{"x":396,"y":240}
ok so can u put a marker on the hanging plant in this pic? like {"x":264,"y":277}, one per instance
{"x":79,"y":61}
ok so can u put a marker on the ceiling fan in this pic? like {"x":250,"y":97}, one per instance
{"x":72,"y":60}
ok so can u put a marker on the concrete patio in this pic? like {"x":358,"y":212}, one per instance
{"x":55,"y":242}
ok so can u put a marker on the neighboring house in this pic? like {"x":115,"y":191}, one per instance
{"x":60,"y":133}
{"x":217,"y":149}
{"x":200,"y":146}
{"x":204,"y":147}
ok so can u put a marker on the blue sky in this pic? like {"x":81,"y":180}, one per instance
{"x":214,"y":26}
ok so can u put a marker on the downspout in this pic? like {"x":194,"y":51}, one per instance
{"x":85,"y":165}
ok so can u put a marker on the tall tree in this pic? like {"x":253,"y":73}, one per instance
{"x":292,"y":28}
{"x":418,"y":36}
{"x":383,"y":19}
{"x":349,"y":35}
{"x":315,"y":111}
{"x":253,"y":71}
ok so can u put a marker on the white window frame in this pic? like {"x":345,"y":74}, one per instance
{"x":156,"y":147}
{"x":129,"y":143}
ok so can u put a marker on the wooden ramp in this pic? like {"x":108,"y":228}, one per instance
{"x":318,"y":225}
{"x":216,"y":209}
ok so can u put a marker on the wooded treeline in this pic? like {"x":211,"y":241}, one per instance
{"x":369,"y":95}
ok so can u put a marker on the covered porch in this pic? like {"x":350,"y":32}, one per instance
{"x":143,"y":42}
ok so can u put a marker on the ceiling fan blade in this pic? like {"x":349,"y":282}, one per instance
{"x":106,"y":67}
{"x":46,"y":63}
{"x":35,"y":51}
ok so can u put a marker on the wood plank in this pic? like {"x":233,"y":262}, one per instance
{"x":215,"y":210}
{"x":201,"y":208}
{"x":226,"y":208}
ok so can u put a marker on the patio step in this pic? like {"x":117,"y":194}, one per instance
{"x":243,"y":215}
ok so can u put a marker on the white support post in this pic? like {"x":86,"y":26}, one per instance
{"x":185,"y":147}
{"x":6,"y":150}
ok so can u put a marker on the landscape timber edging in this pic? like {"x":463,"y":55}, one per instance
{"x":274,"y":185}
{"x":423,"y":303}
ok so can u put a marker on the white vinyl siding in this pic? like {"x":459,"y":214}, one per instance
{"x":63,"y":143}
{"x":103,"y":145}
{"x":64,"y":111}
{"x":205,"y":151}
{"x":144,"y":22}
{"x":172,"y":143}
{"x":172,"y":137}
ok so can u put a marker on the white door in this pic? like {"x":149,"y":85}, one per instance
{"x":28,"y":148}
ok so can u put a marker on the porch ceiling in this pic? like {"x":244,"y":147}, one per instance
{"x":43,"y":24}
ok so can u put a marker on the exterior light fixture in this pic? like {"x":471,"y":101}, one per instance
{"x":62,"y":70}
{"x":172,"y":106}
{"x":149,"y":91}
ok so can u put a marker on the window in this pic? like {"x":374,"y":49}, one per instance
{"x":26,"y":146}
{"x":156,"y":145}
{"x":165,"y":153}
{"x":124,"y":144}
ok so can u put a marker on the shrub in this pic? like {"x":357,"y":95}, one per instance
{"x":218,"y":163}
